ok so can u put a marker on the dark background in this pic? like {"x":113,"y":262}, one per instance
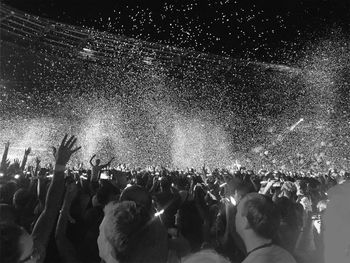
{"x":269,"y":30}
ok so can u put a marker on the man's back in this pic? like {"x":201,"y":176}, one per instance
{"x":270,"y":254}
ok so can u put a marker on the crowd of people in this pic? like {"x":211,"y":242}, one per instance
{"x":115,"y":214}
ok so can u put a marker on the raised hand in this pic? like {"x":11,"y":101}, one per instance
{"x":16,"y":163}
{"x":37,"y":161}
{"x":27,"y":151}
{"x":65,"y":150}
{"x":4,"y":162}
{"x":7,"y":145}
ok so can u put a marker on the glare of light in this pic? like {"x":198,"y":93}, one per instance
{"x":222,"y":185}
{"x":17,"y":176}
{"x":296,"y":124}
{"x":317,"y":225}
{"x":1,"y":174}
{"x":212,"y":196}
{"x":232,"y":200}
{"x":159,"y":213}
{"x":87,"y":53}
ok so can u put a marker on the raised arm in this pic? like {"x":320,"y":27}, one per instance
{"x":47,"y":219}
{"x":64,"y":245}
{"x":37,"y":167}
{"x":4,"y":162}
{"x":107,"y":164}
{"x":92,"y":159}
{"x":25,"y":158}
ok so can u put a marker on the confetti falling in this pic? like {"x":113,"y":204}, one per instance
{"x":146,"y":112}
{"x":263,"y":30}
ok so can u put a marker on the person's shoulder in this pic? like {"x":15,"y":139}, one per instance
{"x":273,"y":254}
{"x":282,"y":255}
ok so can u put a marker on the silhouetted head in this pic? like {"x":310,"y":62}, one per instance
{"x":16,"y":244}
{"x":127,"y":235}
{"x":139,"y":195}
{"x":257,"y":213}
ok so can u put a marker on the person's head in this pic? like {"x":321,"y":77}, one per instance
{"x":16,"y":245}
{"x":165,"y":184}
{"x":241,"y":190}
{"x":7,"y":191}
{"x":7,"y":213}
{"x":126,"y":235}
{"x":139,"y":195}
{"x":257,"y":216}
{"x":121,"y":179}
{"x":142,"y":179}
{"x":182,"y":183}
{"x":287,"y":210}
{"x":105,"y":194}
{"x":98,"y":161}
{"x":205,"y":256}
{"x":21,"y":198}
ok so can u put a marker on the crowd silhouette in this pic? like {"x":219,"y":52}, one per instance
{"x":112,"y":213}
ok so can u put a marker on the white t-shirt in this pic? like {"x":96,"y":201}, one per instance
{"x":271,"y":254}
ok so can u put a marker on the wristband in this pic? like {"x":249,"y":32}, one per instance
{"x":60,"y":168}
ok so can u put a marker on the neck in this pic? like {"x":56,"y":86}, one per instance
{"x":252,"y":241}
{"x":111,"y":260}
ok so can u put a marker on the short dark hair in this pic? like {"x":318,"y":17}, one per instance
{"x":10,"y":250}
{"x":131,"y":234}
{"x":21,"y":198}
{"x":125,"y":222}
{"x":104,"y":193}
{"x":262,"y":215}
{"x":243,"y":188}
{"x":165,"y":183}
{"x":137,"y":194}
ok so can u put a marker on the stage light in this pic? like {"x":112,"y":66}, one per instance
{"x":87,"y":54}
{"x":159,"y":213}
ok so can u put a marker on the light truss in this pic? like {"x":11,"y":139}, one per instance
{"x":38,"y":31}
